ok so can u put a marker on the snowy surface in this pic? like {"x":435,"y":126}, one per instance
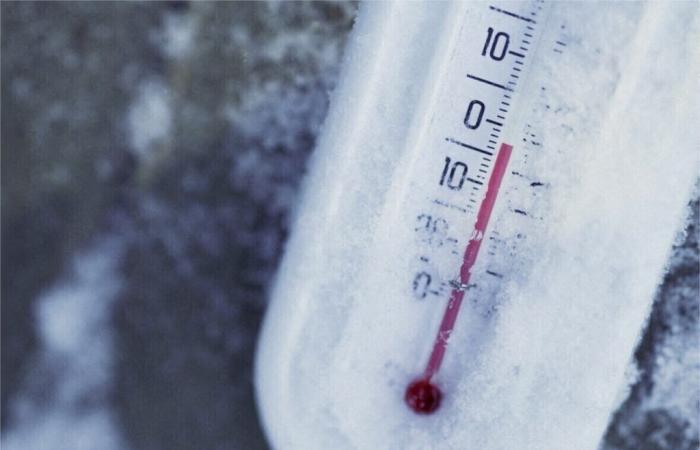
{"x":667,"y":388}
{"x":182,"y":130}
{"x":151,"y":161}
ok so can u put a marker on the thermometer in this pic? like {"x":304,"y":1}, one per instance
{"x":485,"y":220}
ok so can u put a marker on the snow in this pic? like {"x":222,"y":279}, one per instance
{"x":76,"y":356}
{"x":150,"y":117}
{"x":178,"y":35}
{"x":617,"y":153}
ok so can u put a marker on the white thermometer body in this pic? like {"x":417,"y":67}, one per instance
{"x":488,"y":211}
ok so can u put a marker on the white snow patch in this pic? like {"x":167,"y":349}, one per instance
{"x":64,"y":403}
{"x":178,"y":33}
{"x":150,"y":117}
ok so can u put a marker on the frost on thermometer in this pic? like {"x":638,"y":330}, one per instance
{"x":485,"y":221}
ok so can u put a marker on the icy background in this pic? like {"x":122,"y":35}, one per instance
{"x":151,"y":155}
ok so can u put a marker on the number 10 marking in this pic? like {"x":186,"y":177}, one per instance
{"x":454,"y":180}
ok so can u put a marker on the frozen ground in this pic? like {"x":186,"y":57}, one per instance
{"x":151,"y":155}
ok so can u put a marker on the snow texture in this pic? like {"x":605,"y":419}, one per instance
{"x":663,"y":408}
{"x":615,"y":121}
{"x":190,"y":152}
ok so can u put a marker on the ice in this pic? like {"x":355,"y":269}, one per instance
{"x":616,"y":123}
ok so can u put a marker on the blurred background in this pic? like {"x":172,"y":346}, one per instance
{"x":151,"y":158}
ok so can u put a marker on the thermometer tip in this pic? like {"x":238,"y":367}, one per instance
{"x":423,"y":397}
